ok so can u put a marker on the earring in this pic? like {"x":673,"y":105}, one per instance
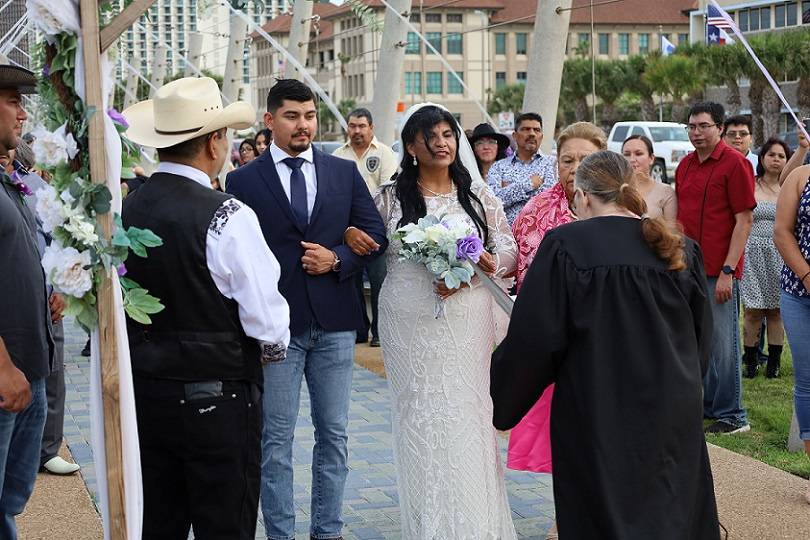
{"x":414,"y":161}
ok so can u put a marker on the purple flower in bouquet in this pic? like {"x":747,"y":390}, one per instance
{"x":122,"y":270}
{"x":46,"y":71}
{"x":118,"y":118}
{"x":469,"y":247}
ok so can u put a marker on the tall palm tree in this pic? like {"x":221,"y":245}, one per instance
{"x":576,"y":86}
{"x":798,"y":66}
{"x":636,"y":66}
{"x":678,"y":76}
{"x":724,"y":65}
{"x":612,"y":81}
{"x":771,"y":50}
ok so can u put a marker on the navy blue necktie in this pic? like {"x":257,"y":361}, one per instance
{"x":298,"y":191}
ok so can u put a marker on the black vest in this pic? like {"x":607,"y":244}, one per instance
{"x":25,"y":323}
{"x":198,"y":336}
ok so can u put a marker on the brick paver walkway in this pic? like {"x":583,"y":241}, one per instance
{"x":370,"y":505}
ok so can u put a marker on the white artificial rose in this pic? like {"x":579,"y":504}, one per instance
{"x":66,"y":269}
{"x":50,"y":149}
{"x":82,"y":230}
{"x":435,"y":233}
{"x":49,"y":209}
{"x":54,"y":17}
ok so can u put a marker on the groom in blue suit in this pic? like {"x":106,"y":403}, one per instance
{"x":306,"y":201}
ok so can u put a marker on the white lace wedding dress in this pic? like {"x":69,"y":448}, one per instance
{"x":449,"y":471}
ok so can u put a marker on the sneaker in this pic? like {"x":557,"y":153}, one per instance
{"x":375,"y":342}
{"x":86,"y":351}
{"x":726,"y":429}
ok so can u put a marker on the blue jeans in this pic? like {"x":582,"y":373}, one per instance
{"x":326,"y":360}
{"x":722,"y":385}
{"x":20,"y":440}
{"x":796,"y":318}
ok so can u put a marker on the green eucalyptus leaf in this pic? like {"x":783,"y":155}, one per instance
{"x":127,"y":283}
{"x":141,"y":299}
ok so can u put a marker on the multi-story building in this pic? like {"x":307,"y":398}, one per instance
{"x":169,"y":22}
{"x":486,"y":42}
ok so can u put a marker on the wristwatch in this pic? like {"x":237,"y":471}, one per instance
{"x":336,"y":264}
{"x":727,"y":270}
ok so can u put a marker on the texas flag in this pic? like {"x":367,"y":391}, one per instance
{"x":716,"y":26}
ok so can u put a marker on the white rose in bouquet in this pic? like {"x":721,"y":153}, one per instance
{"x":49,"y":208}
{"x":67,"y":269}
{"x":54,"y":17}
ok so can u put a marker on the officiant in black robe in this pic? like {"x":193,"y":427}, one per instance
{"x":626,"y":342}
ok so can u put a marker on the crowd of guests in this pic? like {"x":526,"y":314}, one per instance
{"x":266,"y":267}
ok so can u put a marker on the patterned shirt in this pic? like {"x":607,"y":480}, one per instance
{"x":791,"y":283}
{"x":510,"y":180}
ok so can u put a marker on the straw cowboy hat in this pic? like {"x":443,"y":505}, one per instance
{"x":17,"y":78}
{"x":182,"y":110}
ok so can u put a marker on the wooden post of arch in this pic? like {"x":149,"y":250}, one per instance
{"x":97,"y":41}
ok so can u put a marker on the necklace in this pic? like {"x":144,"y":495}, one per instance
{"x":435,"y":194}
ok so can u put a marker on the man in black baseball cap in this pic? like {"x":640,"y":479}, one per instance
{"x":26,"y":345}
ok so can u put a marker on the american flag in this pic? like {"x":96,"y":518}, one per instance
{"x":716,"y":19}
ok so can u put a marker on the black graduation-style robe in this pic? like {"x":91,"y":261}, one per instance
{"x":627,"y":343}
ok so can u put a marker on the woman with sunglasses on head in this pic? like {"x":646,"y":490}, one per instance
{"x":630,"y":457}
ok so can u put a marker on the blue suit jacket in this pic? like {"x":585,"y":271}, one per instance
{"x":342,"y":200}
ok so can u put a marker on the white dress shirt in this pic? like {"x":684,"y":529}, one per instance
{"x":284,"y":173}
{"x":242,"y":266}
{"x":754,"y":160}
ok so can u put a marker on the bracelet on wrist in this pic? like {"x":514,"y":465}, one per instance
{"x":805,"y":276}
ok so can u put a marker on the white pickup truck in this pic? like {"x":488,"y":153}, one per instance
{"x":670,"y":143}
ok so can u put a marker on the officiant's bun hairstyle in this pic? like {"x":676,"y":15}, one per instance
{"x":406,"y":188}
{"x":609,"y":177}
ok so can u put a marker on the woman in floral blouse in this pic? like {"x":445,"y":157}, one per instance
{"x":530,"y":440}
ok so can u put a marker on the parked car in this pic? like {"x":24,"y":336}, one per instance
{"x":670,"y":144}
{"x":327,"y":147}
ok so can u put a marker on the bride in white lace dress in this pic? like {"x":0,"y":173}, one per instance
{"x":450,"y":473}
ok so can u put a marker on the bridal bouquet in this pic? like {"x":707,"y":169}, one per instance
{"x":447,"y":246}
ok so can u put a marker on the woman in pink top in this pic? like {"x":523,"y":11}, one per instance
{"x":530,"y":440}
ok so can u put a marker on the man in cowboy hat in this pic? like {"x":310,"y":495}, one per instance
{"x":26,"y":346}
{"x":197,"y":369}
{"x":377,"y":163}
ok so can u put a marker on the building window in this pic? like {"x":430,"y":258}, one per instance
{"x":434,"y":82}
{"x":433,"y":18}
{"x":453,"y":84}
{"x":521,"y":40}
{"x":435,"y":39}
{"x":643,"y":43}
{"x":791,"y":8}
{"x":454,"y":18}
{"x":764,"y":18}
{"x":805,"y":12}
{"x":604,"y":43}
{"x":753,"y":19}
{"x":683,"y":39}
{"x":413,"y":82}
{"x":743,"y":20}
{"x":779,"y":16}
{"x":500,"y":79}
{"x":413,"y":44}
{"x":583,"y":37}
{"x":521,"y":77}
{"x":414,"y":18}
{"x":500,"y":43}
{"x":624,"y":44}
{"x":454,"y":45}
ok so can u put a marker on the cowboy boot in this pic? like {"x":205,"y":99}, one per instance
{"x":751,"y":363}
{"x":774,"y":361}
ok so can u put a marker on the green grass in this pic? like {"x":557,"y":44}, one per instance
{"x":770,"y":408}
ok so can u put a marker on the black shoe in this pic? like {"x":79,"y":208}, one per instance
{"x":86,"y":351}
{"x":774,"y":361}
{"x":375,"y":342}
{"x":751,"y":363}
{"x":726,"y":429}
{"x":361,"y":338}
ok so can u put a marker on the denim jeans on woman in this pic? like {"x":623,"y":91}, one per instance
{"x":722,"y":385}
{"x":20,"y":439}
{"x":796,"y":318}
{"x":326,"y":360}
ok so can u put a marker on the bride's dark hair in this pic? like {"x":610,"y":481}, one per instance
{"x":405,"y":187}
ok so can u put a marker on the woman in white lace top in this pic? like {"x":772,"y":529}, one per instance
{"x":450,"y":473}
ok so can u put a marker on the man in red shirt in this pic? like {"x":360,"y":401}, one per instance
{"x":715,"y":190}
